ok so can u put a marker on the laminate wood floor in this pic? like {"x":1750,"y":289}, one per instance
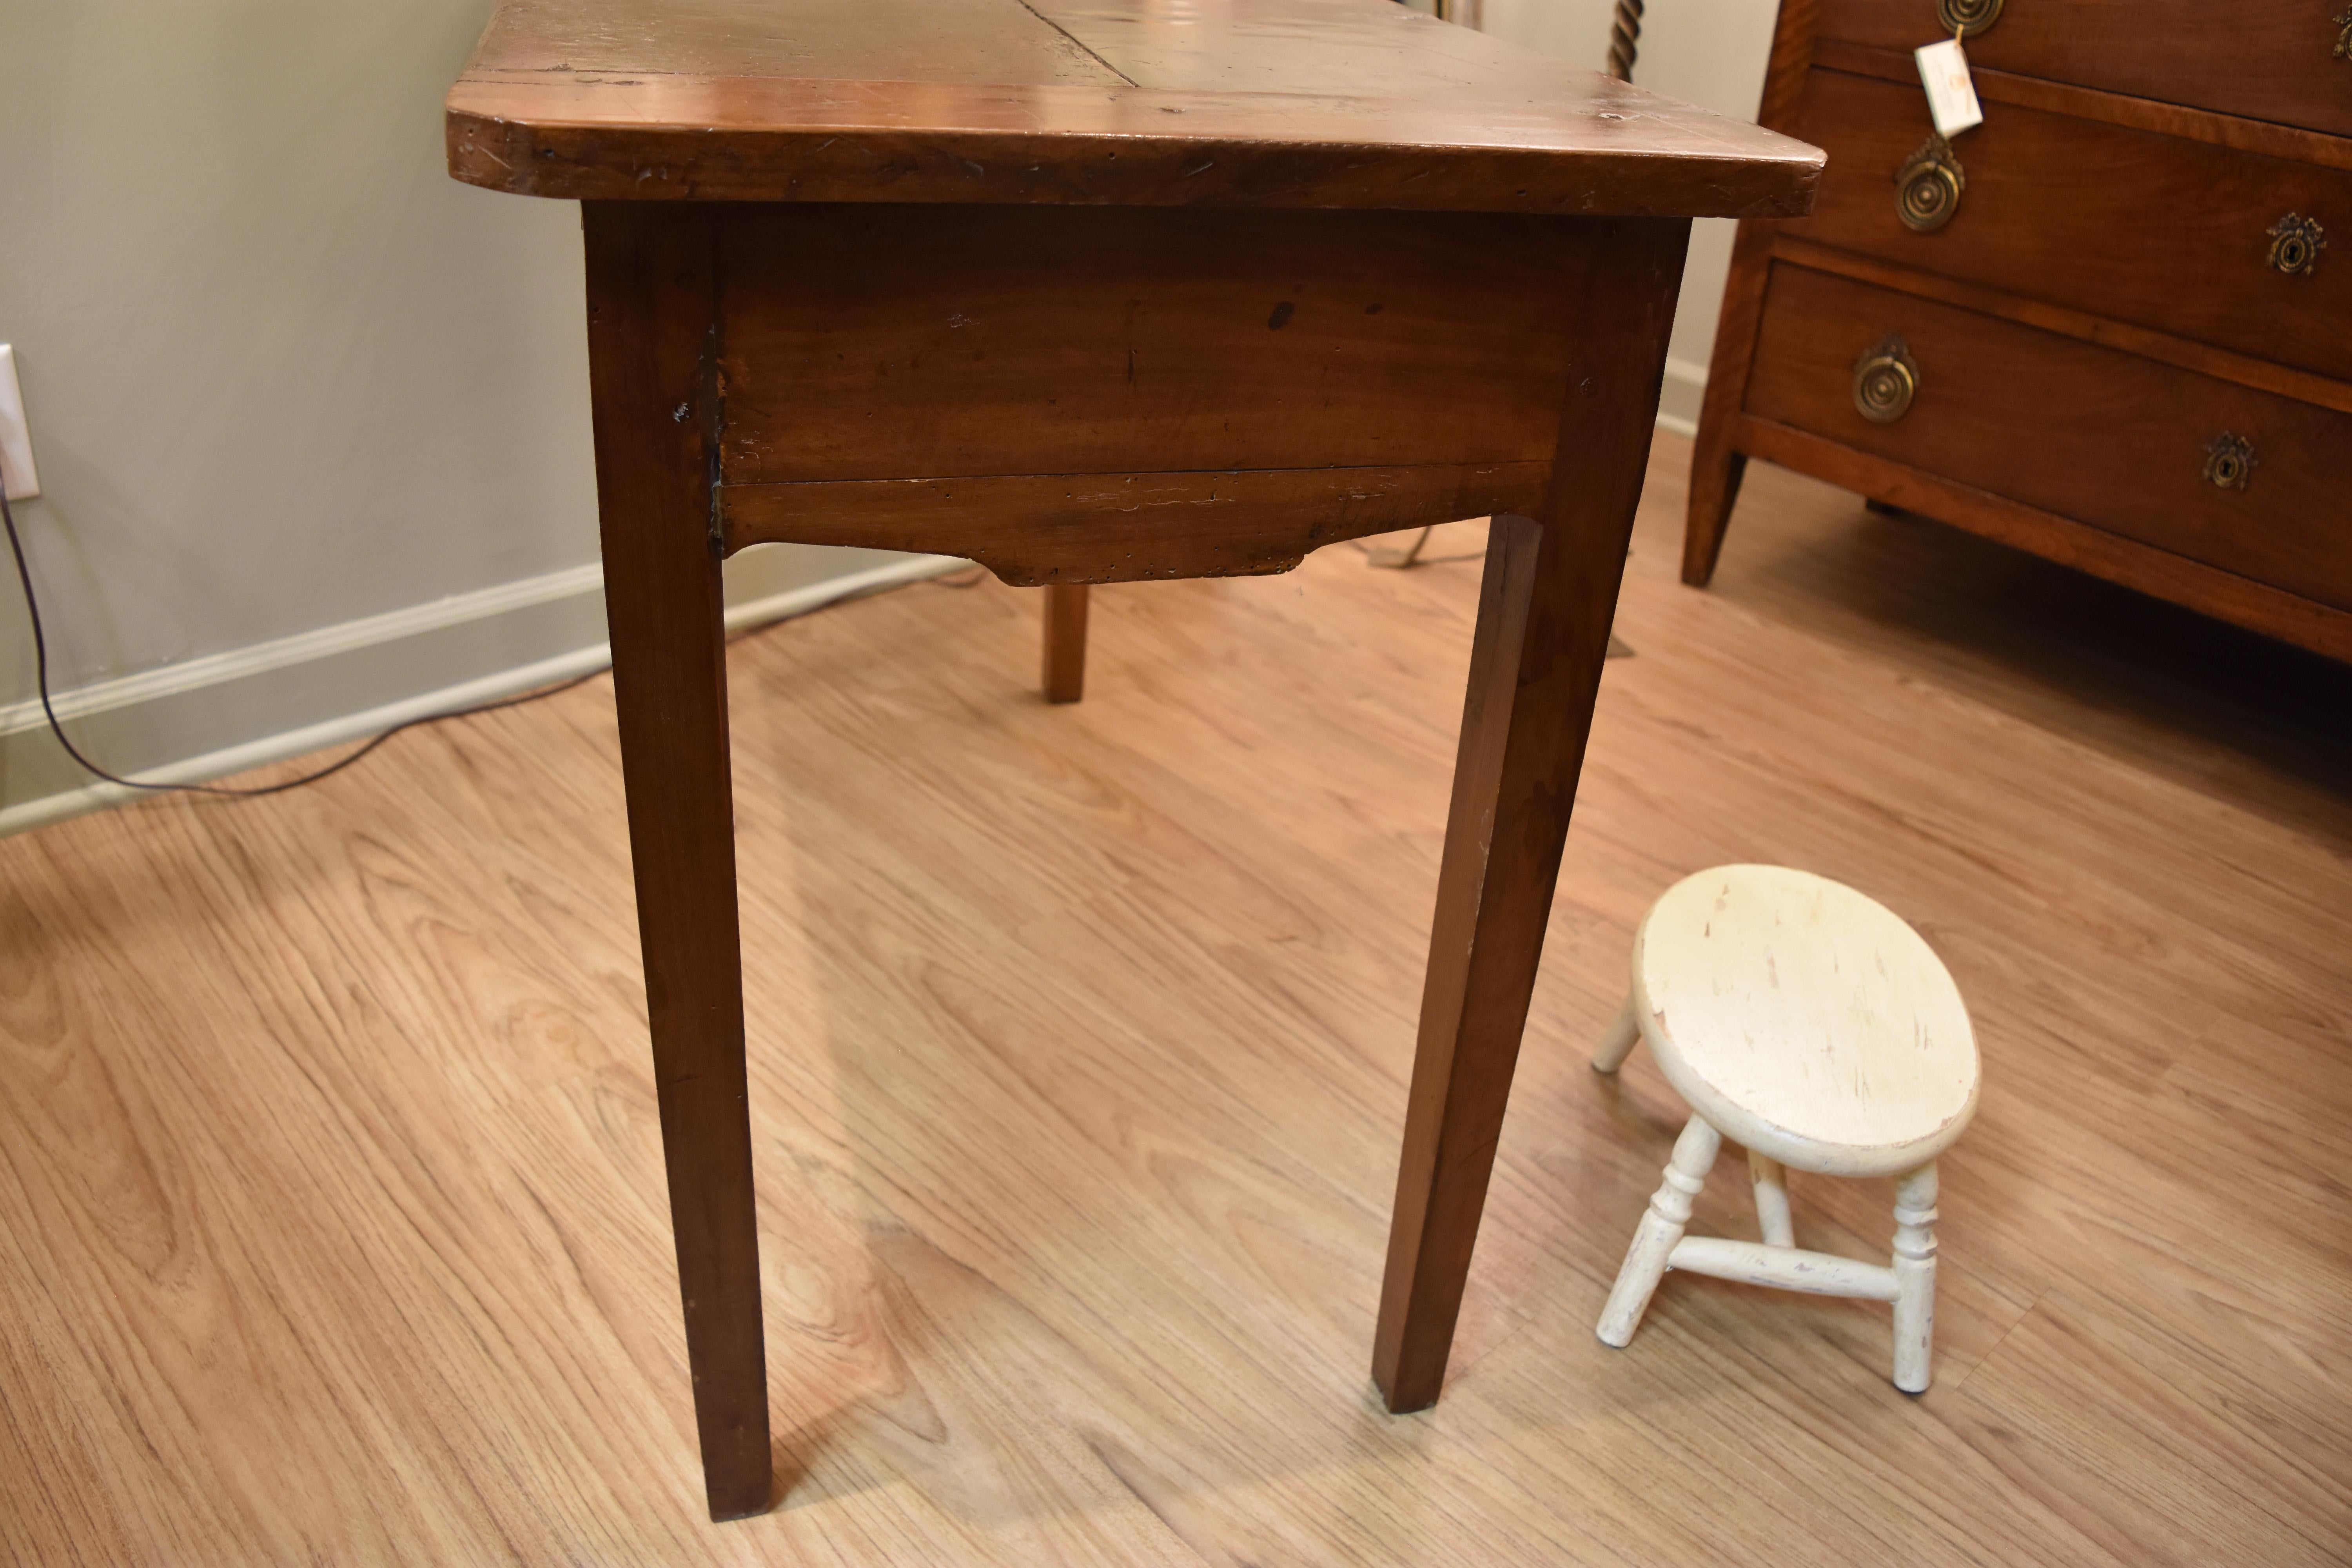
{"x":332,"y":1222}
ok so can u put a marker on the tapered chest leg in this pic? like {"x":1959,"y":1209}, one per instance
{"x":1549,"y":595}
{"x":649,"y":304}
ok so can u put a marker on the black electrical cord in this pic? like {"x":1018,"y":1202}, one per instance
{"x":48,"y":707}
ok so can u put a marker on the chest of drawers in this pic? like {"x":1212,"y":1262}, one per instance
{"x":2106,"y":326}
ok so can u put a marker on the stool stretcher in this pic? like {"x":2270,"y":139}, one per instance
{"x":1783,"y":1268}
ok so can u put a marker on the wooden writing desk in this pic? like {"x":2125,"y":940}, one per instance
{"x":1092,"y":291}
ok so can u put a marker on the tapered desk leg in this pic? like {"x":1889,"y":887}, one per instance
{"x":1549,"y":593}
{"x":649,"y":303}
{"x":1066,"y":642}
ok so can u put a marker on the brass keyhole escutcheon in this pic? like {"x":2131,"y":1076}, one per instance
{"x":1927,"y":186}
{"x":2344,"y":37}
{"x":1885,"y":380}
{"x":2296,"y":244}
{"x":1968,"y":17}
{"x":2229,"y":462}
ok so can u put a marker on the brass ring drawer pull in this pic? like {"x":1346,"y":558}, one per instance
{"x":2229,"y":462}
{"x":1968,"y":17}
{"x":2296,"y":242}
{"x":1927,"y":186}
{"x":1885,"y":380}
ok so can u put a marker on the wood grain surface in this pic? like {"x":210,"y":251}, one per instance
{"x":2042,"y":419}
{"x":2224,"y":365}
{"x":1035,"y":529}
{"x":2269,"y":60}
{"x":2154,"y":231}
{"x":1101,"y":395}
{"x":1352,"y":103}
{"x":886,"y":342}
{"x":2051,"y":343}
{"x":2269,"y":138}
{"x":332,"y":1206}
{"x":2174,"y":578}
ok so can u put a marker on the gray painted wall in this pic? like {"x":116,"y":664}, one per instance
{"x":281,"y":371}
{"x":311,"y":419}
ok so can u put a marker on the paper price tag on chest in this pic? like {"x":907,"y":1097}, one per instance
{"x":1951,"y":96}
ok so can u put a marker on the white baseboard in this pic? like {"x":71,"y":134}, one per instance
{"x":1680,"y":395}
{"x":261,"y":658}
{"x":212,"y":717}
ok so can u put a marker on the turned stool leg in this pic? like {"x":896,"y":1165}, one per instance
{"x":1771,"y":1200}
{"x":1618,"y":1044}
{"x":1662,"y":1227}
{"x":1914,"y":1278}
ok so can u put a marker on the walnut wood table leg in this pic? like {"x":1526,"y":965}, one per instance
{"x":1549,"y":593}
{"x":1066,"y":642}
{"x":649,"y":313}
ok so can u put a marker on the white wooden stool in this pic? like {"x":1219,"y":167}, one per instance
{"x":1809,"y":1024}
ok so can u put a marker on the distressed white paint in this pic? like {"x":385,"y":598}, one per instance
{"x":1813,"y":1026}
{"x":1805,"y":1020}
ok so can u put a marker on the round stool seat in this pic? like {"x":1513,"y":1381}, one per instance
{"x":1804,"y":1021}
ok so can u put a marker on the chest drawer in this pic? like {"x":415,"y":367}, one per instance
{"x":2106,"y":439}
{"x":2264,"y":59}
{"x":2178,"y":236}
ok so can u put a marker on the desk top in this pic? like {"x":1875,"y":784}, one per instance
{"x":1312,"y":103}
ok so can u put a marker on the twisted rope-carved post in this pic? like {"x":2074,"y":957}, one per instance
{"x":1624,"y":38}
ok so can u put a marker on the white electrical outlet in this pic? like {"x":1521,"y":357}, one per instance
{"x":16,"y":468}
